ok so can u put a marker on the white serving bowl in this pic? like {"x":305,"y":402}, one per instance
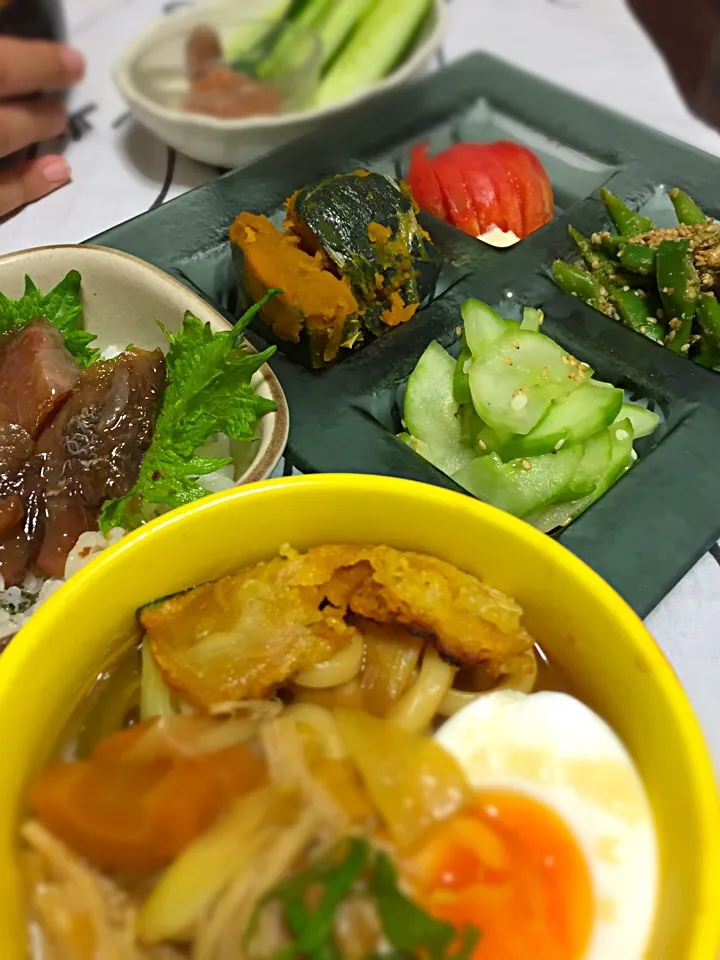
{"x":123,"y":296}
{"x":233,"y":143}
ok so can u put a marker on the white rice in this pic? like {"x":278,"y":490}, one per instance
{"x":17,"y":604}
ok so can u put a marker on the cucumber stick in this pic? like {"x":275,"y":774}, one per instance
{"x":374,"y":48}
{"x":247,"y":35}
{"x":430,"y":411}
{"x":521,"y":487}
{"x":282,"y":54}
{"x":532,"y":319}
{"x":337,"y":24}
{"x":581,"y":414}
{"x":312,"y":12}
{"x":461,"y":380}
{"x":593,"y":466}
{"x":519,"y":376}
{"x":611,"y":447}
{"x":643,"y":420}
{"x":482,"y":326}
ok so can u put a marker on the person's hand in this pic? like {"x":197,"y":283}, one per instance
{"x":29,"y":67}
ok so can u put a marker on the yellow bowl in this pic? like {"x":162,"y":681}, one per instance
{"x":614,"y":663}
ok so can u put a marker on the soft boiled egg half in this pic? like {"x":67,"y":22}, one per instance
{"x":558,"y":859}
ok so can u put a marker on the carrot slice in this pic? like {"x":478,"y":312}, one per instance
{"x":122,"y":814}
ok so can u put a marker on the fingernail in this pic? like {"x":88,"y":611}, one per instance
{"x":73,"y":61}
{"x":56,"y":170}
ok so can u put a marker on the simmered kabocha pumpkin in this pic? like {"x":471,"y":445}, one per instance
{"x":352,"y":262}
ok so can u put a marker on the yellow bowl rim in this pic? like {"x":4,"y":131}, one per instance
{"x":705,"y":937}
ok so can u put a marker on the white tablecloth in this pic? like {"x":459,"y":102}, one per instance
{"x":590,"y":46}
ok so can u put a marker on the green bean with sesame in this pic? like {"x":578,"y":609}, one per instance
{"x":662,"y":282}
{"x":687,"y":211}
{"x":594,"y":258}
{"x":679,"y":287}
{"x":627,"y":222}
{"x":634,"y":311}
{"x":708,"y":316}
{"x":638,"y":258}
{"x":609,"y":242}
{"x":578,"y":283}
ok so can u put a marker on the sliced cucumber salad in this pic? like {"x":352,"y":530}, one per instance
{"x":518,"y":421}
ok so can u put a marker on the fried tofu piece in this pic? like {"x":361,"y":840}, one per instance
{"x":469,"y":621}
{"x":246,"y":634}
{"x":240,"y":637}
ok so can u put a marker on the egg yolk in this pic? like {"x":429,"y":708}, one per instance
{"x":509,"y":866}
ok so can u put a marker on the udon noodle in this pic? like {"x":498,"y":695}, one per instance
{"x":310,"y":674}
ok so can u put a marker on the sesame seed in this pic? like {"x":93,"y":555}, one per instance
{"x":626,"y":288}
{"x":515,"y":344}
{"x":684,"y":348}
{"x":566,"y":359}
{"x":458,"y":331}
{"x":622,"y":434}
{"x":559,"y":443}
{"x":544,"y":372}
{"x":670,"y":336}
{"x":573,"y":293}
{"x":643,"y":329}
{"x":519,"y":401}
{"x":466,"y":366}
{"x":508,"y":361}
{"x":584,"y":366}
{"x":526,"y":465}
{"x":633,"y":454}
{"x":482,"y":445}
{"x":572,"y":375}
{"x":664,"y":290}
{"x":670,"y":291}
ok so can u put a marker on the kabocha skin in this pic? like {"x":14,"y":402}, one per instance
{"x":661,"y":282}
{"x":351,"y":261}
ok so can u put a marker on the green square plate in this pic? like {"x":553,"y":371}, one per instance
{"x":663,"y":515}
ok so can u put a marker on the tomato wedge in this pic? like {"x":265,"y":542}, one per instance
{"x":461,"y":209}
{"x":507,"y":189}
{"x":424,"y":184}
{"x":523,"y":168}
{"x":481,"y":187}
{"x":474,"y":186}
{"x":479,"y":163}
{"x":548,"y":198}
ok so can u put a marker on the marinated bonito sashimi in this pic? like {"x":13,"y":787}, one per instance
{"x":70,"y":439}
{"x":93,"y":449}
{"x":37,"y":373}
{"x":20,"y":521}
